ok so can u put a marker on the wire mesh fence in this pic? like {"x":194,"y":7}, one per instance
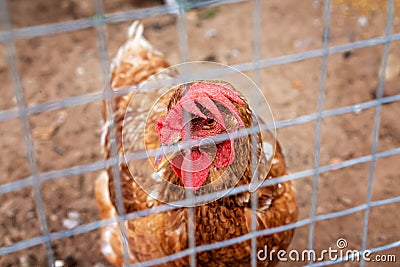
{"x":23,"y":111}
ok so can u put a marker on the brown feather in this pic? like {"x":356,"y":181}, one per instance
{"x":165,"y":233}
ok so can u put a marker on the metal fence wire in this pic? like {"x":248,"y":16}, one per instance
{"x":8,"y":36}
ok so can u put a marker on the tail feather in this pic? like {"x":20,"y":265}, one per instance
{"x":136,"y":60}
{"x":135,"y":31}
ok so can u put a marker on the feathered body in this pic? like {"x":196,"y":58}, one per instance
{"x":165,"y":233}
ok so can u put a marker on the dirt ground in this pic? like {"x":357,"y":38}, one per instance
{"x":63,"y":65}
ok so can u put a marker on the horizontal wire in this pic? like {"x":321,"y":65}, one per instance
{"x":356,"y":108}
{"x":84,"y":23}
{"x":81,"y":229}
{"x":67,"y":102}
{"x":97,"y":96}
{"x":385,"y":247}
{"x":81,"y":169}
{"x":264,"y":232}
{"x":351,"y":256}
{"x":90,"y":22}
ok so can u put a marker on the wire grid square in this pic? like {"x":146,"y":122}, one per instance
{"x":23,"y":112}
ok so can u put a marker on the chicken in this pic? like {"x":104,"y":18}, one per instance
{"x":151,"y":119}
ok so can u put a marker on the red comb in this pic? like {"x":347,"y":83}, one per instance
{"x":222,"y":93}
{"x":204,"y":94}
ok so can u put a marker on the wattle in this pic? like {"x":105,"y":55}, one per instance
{"x":225,"y":154}
{"x":192,"y":168}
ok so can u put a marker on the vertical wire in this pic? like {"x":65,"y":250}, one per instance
{"x":320,"y":104}
{"x":184,"y":52}
{"x":101,"y":37}
{"x":254,"y":202}
{"x":257,"y":11}
{"x":182,"y":32}
{"x":26,"y":128}
{"x":257,"y":78}
{"x":377,"y":116}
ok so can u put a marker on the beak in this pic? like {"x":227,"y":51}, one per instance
{"x":166,"y":154}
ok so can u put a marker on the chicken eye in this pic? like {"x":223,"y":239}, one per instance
{"x":209,"y":122}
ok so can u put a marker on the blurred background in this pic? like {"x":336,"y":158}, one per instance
{"x":66,"y":64}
